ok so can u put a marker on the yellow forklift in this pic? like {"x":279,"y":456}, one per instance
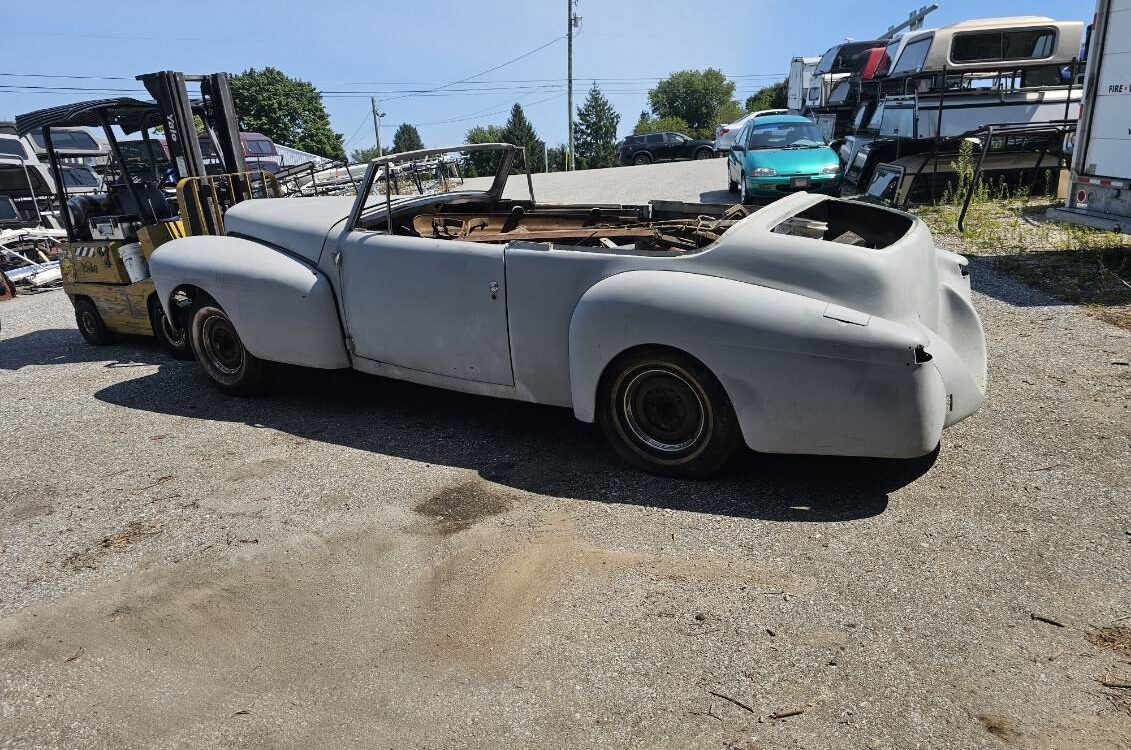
{"x":111,"y":235}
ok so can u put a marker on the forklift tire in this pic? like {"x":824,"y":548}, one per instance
{"x":91,"y":325}
{"x":221,"y":353}
{"x":174,"y":341}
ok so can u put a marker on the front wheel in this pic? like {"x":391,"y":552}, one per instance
{"x":173,"y":340}
{"x":704,"y":154}
{"x":221,"y":353}
{"x":743,"y":190}
{"x":666,"y":413}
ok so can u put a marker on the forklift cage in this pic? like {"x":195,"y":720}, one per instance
{"x":203,"y":200}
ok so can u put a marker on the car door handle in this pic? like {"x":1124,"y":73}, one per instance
{"x":494,"y":287}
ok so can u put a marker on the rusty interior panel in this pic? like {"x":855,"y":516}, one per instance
{"x":579,"y":226}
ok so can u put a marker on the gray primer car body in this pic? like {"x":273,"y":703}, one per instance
{"x":822,"y":347}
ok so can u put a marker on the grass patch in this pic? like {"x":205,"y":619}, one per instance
{"x":1076,"y":264}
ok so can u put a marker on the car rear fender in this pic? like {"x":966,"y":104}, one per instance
{"x":283,"y":309}
{"x":792,"y":365}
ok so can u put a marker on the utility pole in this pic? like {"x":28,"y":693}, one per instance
{"x":376,"y":122}
{"x":572,"y":22}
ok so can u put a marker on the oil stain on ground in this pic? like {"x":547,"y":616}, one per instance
{"x":457,"y":508}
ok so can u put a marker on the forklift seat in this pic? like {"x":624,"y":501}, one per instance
{"x":155,"y":206}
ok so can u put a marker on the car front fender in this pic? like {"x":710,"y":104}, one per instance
{"x":803,"y":375}
{"x":283,"y":309}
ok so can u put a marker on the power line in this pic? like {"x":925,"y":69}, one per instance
{"x":476,"y":115}
{"x":485,"y":72}
{"x":506,"y":81}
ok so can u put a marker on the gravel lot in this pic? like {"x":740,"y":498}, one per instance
{"x":360,"y":563}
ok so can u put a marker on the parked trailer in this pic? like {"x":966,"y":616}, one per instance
{"x":1101,"y":162}
{"x":800,"y":72}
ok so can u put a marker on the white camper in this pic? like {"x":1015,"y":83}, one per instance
{"x":800,"y":71}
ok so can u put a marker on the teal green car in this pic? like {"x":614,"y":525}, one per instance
{"x":781,"y":154}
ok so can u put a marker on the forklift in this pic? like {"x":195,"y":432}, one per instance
{"x":111,"y":235}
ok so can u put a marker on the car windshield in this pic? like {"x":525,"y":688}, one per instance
{"x":786,"y":135}
{"x":469,"y":169}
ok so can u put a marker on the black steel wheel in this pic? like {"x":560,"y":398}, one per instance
{"x":91,"y":325}
{"x":174,"y":340}
{"x":666,"y":413}
{"x":221,"y":353}
{"x":704,"y":153}
{"x":640,"y":159}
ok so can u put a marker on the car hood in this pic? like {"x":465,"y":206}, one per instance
{"x":793,"y":161}
{"x":297,"y":225}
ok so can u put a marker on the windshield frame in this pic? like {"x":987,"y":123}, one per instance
{"x":383,"y":165}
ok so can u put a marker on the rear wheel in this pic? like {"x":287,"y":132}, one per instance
{"x":640,"y":159}
{"x":666,"y":413}
{"x":221,"y":353}
{"x":173,"y":340}
{"x":91,"y":325}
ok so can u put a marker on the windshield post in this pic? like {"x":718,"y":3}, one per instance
{"x":389,"y":200}
{"x":529,"y":177}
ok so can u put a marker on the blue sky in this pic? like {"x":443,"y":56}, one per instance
{"x":382,"y":47}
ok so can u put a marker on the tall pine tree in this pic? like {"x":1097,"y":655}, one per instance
{"x":595,"y":133}
{"x":406,"y":139}
{"x":520,"y":132}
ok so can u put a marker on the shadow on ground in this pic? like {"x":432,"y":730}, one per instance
{"x":1095,"y":279}
{"x":60,"y":346}
{"x":535,"y":448}
{"x":719,"y":196}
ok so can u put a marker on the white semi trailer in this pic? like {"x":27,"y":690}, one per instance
{"x":800,"y":71}
{"x":1100,"y":193}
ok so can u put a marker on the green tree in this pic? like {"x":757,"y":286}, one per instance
{"x":557,"y":156}
{"x":520,"y":132}
{"x":701,"y":98}
{"x":483,"y":163}
{"x":595,"y":132}
{"x":649,"y":124}
{"x":361,"y":155}
{"x":406,"y":139}
{"x":770,"y":97}
{"x":287,"y":110}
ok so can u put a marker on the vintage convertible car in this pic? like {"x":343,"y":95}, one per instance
{"x":813,"y":325}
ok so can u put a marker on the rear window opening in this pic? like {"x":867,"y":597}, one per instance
{"x":847,"y":223}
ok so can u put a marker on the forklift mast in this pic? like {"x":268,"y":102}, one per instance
{"x":169,"y":89}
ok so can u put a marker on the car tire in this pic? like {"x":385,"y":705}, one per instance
{"x":641,"y":159}
{"x":175,"y":342}
{"x":91,"y":325}
{"x":221,"y":353}
{"x":664,"y":412}
{"x":704,"y":153}
{"x":732,"y":186}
